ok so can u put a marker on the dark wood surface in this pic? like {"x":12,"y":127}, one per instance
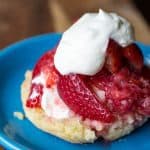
{"x":22,"y":18}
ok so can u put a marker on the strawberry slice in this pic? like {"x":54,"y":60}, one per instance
{"x":124,"y":90}
{"x":144,"y":106}
{"x":81,"y":99}
{"x":36,"y":101}
{"x":113,"y":57}
{"x":144,"y":102}
{"x":102,"y":79}
{"x":45,"y":65}
{"x":133,"y":54}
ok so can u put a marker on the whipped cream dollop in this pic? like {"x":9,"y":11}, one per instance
{"x":82,"y":48}
{"x":51,"y":102}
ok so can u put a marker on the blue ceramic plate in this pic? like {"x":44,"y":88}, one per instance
{"x":22,"y":135}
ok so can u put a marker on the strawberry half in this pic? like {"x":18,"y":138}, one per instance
{"x":125,"y":90}
{"x":113,"y":56}
{"x":134,"y":56}
{"x":45,"y":65}
{"x":81,"y":99}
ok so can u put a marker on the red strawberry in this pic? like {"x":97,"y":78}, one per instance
{"x":35,"y":102}
{"x":81,"y":99}
{"x":123,"y":90}
{"x":144,"y":101}
{"x":113,"y":56}
{"x":101,"y":79}
{"x":146,"y":72}
{"x":133,"y":54}
{"x":144,"y":106}
{"x":52,"y":78}
{"x":45,"y":65}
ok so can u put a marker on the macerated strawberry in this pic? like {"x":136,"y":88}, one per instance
{"x":114,"y":59}
{"x":133,"y":54}
{"x":35,"y":102}
{"x":52,"y":78}
{"x":146,"y":72}
{"x":81,"y":99}
{"x":124,"y":90}
{"x":144,"y":101}
{"x":45,"y":65}
{"x":144,"y":106}
{"x":101,"y":79}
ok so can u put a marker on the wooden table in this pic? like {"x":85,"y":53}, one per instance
{"x":23,"y":18}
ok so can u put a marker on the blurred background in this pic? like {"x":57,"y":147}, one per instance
{"x":23,"y":18}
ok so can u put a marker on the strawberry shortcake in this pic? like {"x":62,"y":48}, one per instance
{"x":94,"y":84}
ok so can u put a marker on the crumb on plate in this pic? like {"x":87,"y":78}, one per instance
{"x":19,"y":115}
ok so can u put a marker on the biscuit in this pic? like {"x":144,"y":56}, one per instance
{"x":73,"y":129}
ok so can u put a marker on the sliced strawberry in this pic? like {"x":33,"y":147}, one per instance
{"x":44,"y":66}
{"x":144,"y":106}
{"x":133,"y":54}
{"x":45,"y":63}
{"x":81,"y":99}
{"x":34,"y":102}
{"x":52,"y":78}
{"x":144,"y":101}
{"x":146,"y":72}
{"x":124,"y":90}
{"x":113,"y":56}
{"x":101,"y":79}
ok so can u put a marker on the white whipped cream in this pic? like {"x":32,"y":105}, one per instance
{"x":82,"y":48}
{"x":51,"y":102}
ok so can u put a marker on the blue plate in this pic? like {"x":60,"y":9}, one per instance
{"x":22,"y":135}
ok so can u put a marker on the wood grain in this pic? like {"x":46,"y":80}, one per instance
{"x":22,"y":18}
